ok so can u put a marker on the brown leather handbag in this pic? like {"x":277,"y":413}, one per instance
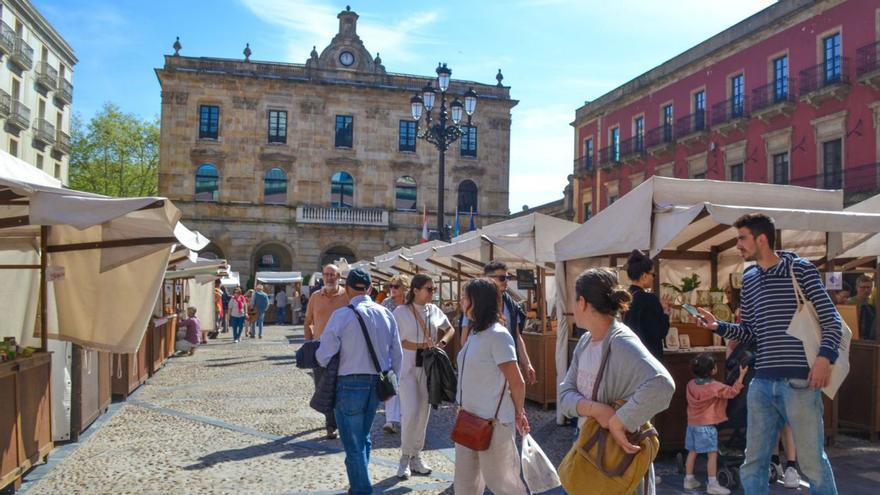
{"x":470,"y":430}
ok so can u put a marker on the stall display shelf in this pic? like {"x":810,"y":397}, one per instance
{"x":541,"y":347}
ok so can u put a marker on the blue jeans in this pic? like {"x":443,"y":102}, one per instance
{"x":279,"y":318}
{"x":237,"y":326}
{"x":772,"y":404}
{"x":258,"y":323}
{"x":356,"y":403}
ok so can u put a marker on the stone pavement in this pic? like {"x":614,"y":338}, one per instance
{"x":234,"y":418}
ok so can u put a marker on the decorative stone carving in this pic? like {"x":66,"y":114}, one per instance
{"x":243,"y":103}
{"x":342,"y":162}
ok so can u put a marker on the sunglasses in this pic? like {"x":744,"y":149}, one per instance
{"x":429,"y":289}
{"x":502,"y":278}
{"x":393,"y":286}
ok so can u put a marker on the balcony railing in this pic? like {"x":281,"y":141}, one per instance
{"x":342,"y":216}
{"x":609,"y":155}
{"x":632,"y":148}
{"x":858,"y":182}
{"x":7,"y":38}
{"x":19,"y":115}
{"x":64,"y":92}
{"x":583,"y":164}
{"x":44,"y":131}
{"x":22,"y":54}
{"x":47,"y":76}
{"x":5,"y":104}
{"x":829,"y":73}
{"x":690,"y":124}
{"x":659,"y":135}
{"x":868,"y":59}
{"x":771,"y":94}
{"x":729,"y":110}
{"x":62,"y":142}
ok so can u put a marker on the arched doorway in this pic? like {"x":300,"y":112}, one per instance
{"x":334,"y":253}
{"x":272,"y":258}
{"x":212,"y":252}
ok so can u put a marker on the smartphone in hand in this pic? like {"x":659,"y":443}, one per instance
{"x":693,"y":311}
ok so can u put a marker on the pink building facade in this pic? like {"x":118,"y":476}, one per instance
{"x":790,"y":95}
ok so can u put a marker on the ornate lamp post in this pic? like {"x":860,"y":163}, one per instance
{"x":440,"y":132}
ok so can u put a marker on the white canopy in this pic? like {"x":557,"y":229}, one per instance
{"x":106,"y":258}
{"x":279,"y":277}
{"x":230,"y":280}
{"x":863,"y":246}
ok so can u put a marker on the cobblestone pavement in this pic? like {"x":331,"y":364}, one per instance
{"x":234,"y":419}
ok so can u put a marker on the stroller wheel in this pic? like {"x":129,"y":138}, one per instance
{"x":726,"y":478}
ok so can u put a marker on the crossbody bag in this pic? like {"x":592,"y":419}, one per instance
{"x":420,"y":353}
{"x":387,"y":386}
{"x":470,"y":430}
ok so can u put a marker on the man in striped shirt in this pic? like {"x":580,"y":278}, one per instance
{"x":785,"y":388}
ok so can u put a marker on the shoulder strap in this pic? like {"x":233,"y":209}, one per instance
{"x":367,"y":338}
{"x":601,"y":372}
{"x":420,"y":322}
{"x":799,"y":294}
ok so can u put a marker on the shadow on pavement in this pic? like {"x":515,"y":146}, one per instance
{"x":274,"y":447}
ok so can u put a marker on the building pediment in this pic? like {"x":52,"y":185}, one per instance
{"x":278,"y":155}
{"x":342,"y":162}
{"x":346,"y":51}
{"x":206,"y":154}
{"x":468,"y":169}
{"x":405,"y":165}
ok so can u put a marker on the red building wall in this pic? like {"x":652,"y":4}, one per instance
{"x":858,"y":22}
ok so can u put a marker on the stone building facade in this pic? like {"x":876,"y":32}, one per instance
{"x":285,"y":166}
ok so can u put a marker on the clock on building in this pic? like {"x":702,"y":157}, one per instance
{"x":346,"y":58}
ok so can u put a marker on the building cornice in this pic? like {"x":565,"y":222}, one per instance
{"x":38,"y":23}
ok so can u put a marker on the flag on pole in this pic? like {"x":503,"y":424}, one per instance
{"x":424,"y":224}
{"x":473,"y":225}
{"x":457,"y":228}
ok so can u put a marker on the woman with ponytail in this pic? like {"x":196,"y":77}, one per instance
{"x":421,"y":325}
{"x":648,"y":315}
{"x":631,"y":373}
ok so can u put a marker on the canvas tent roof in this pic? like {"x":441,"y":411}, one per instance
{"x":279,"y":277}
{"x":112,"y":250}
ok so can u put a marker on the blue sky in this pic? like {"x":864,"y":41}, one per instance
{"x":554,"y":53}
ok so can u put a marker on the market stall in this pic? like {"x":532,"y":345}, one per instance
{"x":291,"y":283}
{"x":685,"y":225}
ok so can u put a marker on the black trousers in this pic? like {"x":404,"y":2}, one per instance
{"x":329,"y":419}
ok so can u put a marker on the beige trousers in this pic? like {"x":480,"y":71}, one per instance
{"x":414,"y":410}
{"x":498,"y":468}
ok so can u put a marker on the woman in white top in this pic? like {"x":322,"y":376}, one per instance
{"x":397,"y":286}
{"x":419,"y":324}
{"x":487,"y":370}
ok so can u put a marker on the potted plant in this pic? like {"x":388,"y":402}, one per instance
{"x":688,"y":286}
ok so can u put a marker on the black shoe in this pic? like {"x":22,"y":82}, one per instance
{"x":331,"y":434}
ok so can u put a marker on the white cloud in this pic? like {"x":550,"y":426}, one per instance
{"x":541,"y":154}
{"x":313,"y":23}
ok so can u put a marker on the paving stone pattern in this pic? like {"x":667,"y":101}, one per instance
{"x":234,"y":418}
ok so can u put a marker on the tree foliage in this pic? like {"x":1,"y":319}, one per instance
{"x":115,"y":154}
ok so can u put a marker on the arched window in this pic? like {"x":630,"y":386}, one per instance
{"x":341,"y":190}
{"x":467,"y":197}
{"x":272,"y":258}
{"x":275,"y":187}
{"x":405,"y":193}
{"x":207,"y":183}
{"x":333,"y":254}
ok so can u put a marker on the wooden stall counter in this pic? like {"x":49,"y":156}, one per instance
{"x":161,"y":329}
{"x":541,"y":348}
{"x":859,"y":396}
{"x":130,"y":371}
{"x":25,"y":416}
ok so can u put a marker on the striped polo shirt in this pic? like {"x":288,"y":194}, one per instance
{"x":769,"y":302}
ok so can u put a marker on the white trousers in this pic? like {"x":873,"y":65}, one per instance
{"x":499,"y":467}
{"x":414,"y":410}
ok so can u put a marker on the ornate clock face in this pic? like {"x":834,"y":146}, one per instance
{"x":346,"y":58}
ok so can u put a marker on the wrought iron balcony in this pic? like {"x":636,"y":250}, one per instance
{"x":47,"y":76}
{"x":730,"y":115}
{"x":7,"y":38}
{"x":825,"y":81}
{"x":583,"y":164}
{"x":19,"y":115}
{"x":342,"y":216}
{"x":691,"y":128}
{"x":44,"y":132}
{"x":660,"y":140}
{"x":771,"y":100}
{"x":62,"y":143}
{"x":609,"y":156}
{"x":632,"y":149}
{"x":22,"y":54}
{"x":868,"y":65}
{"x":64,"y":91}
{"x":5,"y":104}
{"x":858,"y":182}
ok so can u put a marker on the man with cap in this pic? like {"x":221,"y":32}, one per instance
{"x":356,"y":396}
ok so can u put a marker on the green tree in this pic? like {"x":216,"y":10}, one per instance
{"x":115,"y":154}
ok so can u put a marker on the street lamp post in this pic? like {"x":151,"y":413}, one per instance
{"x":440,"y":132}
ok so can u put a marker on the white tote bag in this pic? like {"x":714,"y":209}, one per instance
{"x":805,"y":327}
{"x":538,"y":471}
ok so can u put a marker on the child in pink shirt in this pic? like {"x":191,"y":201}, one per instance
{"x":707,"y":407}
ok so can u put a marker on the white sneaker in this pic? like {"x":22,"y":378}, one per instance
{"x":716,"y":489}
{"x":792,"y":479}
{"x":403,"y":471}
{"x":419,"y":467}
{"x":691,"y":484}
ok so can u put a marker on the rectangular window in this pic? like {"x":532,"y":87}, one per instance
{"x":831,"y":58}
{"x":615,"y":144}
{"x":57,"y":170}
{"x":699,"y":110}
{"x":832,"y":164}
{"x":407,"y":140}
{"x":40,"y":161}
{"x":737,"y":96}
{"x":667,"y":123}
{"x":780,"y":168}
{"x":209,"y":121}
{"x":469,"y":141}
{"x":780,"y":79}
{"x":588,"y":153}
{"x":344,"y":131}
{"x":736,"y":172}
{"x":588,"y":210}
{"x":639,"y":133}
{"x":277,"y":126}
{"x":13,"y":147}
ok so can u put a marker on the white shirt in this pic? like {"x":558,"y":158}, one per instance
{"x":480,"y":379}
{"x":281,"y":299}
{"x":410,"y":329}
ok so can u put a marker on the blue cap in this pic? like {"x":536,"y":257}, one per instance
{"x":358,"y":279}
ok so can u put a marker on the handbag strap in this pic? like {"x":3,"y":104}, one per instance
{"x":601,"y":372}
{"x":601,"y":437}
{"x":461,"y":386}
{"x":799,"y":293}
{"x":420,"y":322}
{"x":367,"y":337}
